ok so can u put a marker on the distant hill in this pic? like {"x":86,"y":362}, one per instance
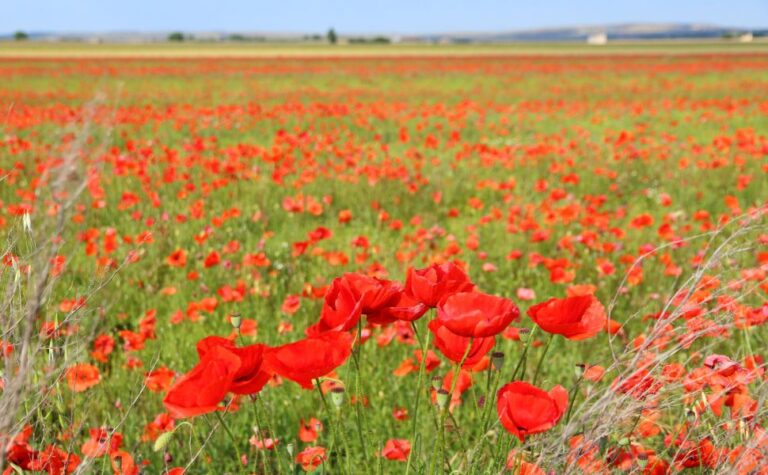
{"x":627,"y":31}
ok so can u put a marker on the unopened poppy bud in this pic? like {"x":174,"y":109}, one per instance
{"x":235,"y":320}
{"x":289,"y":448}
{"x":337,"y":396}
{"x":162,"y":441}
{"x":167,"y":458}
{"x":524,"y":334}
{"x":623,"y":441}
{"x":442,"y":398}
{"x":642,"y":460}
{"x":580,"y":370}
{"x":437,"y":383}
{"x":497,"y":360}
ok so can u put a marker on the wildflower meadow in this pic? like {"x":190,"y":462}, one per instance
{"x":350,"y":264}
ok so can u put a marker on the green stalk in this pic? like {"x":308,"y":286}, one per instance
{"x":270,"y":420}
{"x":419,"y":389}
{"x":571,"y":397}
{"x":344,"y":440}
{"x":445,"y":411}
{"x":260,"y":435}
{"x":524,"y":356}
{"x":541,"y":360}
{"x":334,"y":421}
{"x":490,"y":398}
{"x":359,"y":401}
{"x":231,"y":437}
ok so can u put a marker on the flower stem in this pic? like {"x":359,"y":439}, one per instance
{"x":524,"y":356}
{"x":231,"y":437}
{"x":571,"y":396}
{"x":420,"y":381}
{"x":446,"y":411}
{"x":359,"y":399}
{"x":541,"y":360}
{"x":344,"y":440}
{"x":490,"y":398}
{"x":260,"y":434}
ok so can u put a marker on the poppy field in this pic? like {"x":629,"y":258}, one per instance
{"x":428,"y":264}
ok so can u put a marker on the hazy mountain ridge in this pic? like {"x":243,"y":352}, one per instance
{"x":625,"y":31}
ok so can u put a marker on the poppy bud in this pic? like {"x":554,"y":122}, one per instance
{"x":580,"y":370}
{"x":235,"y":320}
{"x":437,"y":382}
{"x":442,"y":398}
{"x":497,"y":360}
{"x":289,"y":448}
{"x":167,"y":458}
{"x":623,"y":442}
{"x":642,"y":460}
{"x":162,"y":441}
{"x":523,"y":334}
{"x":337,"y":396}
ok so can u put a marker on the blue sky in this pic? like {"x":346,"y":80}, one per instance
{"x":349,"y":16}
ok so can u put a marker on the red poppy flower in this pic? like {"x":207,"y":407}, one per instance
{"x":201,"y":390}
{"x":310,"y":358}
{"x":308,"y":431}
{"x":396,"y":449}
{"x":525,"y":409}
{"x":19,"y":452}
{"x":453,"y":346}
{"x":251,"y":376}
{"x":123,"y":463}
{"x":100,"y":443}
{"x":576,"y":318}
{"x":291,"y":304}
{"x":405,"y":307}
{"x":462,"y":384}
{"x":311,"y":458}
{"x":375,"y":294}
{"x":432,"y":284}
{"x":639,"y":384}
{"x":178,"y":258}
{"x":475,"y":314}
{"x":212,"y":259}
{"x":55,"y":461}
{"x":519,"y":466}
{"x":268,"y":443}
{"x":342,"y":308}
{"x":82,"y":376}
{"x":159,"y":379}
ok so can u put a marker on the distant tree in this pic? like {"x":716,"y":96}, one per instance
{"x":381,"y":40}
{"x":176,"y":36}
{"x":332,"y":38}
{"x":20,"y":36}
